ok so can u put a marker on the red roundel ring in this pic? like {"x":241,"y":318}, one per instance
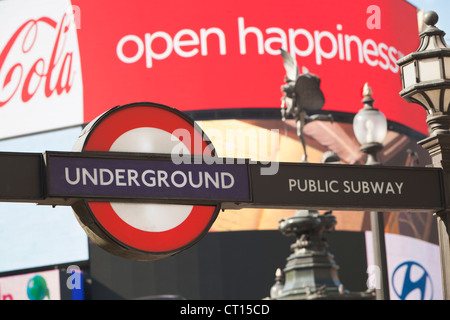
{"x":145,"y":126}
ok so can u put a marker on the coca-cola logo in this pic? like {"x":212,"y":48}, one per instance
{"x":37,"y":60}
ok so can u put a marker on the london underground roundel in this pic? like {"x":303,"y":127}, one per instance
{"x":143,"y":231}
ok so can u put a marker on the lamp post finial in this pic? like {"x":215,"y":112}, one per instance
{"x":430,"y":18}
{"x":367,"y":91}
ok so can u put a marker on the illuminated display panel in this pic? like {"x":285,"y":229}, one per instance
{"x":198,"y":55}
{"x":214,"y":55}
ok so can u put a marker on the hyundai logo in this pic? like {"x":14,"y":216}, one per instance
{"x":411,"y":280}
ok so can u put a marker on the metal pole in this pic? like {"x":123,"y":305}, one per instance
{"x":377,"y":226}
{"x":379,"y":255}
{"x":376,"y":218}
{"x":444,"y":244}
{"x":439,"y":148}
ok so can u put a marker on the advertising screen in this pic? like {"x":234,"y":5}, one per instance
{"x":216,"y":55}
{"x":40,"y":75}
{"x":44,"y":285}
{"x":63,"y":63}
{"x":413,"y":268}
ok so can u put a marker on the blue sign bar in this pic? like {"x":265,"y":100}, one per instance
{"x":111,"y":177}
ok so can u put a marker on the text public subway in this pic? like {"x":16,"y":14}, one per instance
{"x":346,"y":186}
{"x":148,"y":178}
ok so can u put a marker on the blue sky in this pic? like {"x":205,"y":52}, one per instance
{"x":442,"y":7}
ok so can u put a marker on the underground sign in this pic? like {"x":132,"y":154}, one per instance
{"x":142,"y":230}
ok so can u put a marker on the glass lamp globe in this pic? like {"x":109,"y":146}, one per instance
{"x":369,"y":124}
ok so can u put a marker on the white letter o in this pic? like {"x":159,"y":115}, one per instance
{"x":139,"y":53}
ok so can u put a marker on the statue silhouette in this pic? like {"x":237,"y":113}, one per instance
{"x":301,"y":94}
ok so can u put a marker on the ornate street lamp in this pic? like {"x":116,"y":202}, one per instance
{"x":370,"y":127}
{"x":425,"y":78}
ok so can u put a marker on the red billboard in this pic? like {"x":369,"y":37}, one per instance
{"x":196,"y":55}
{"x":199,"y":55}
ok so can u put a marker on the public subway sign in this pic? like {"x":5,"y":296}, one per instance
{"x":348,"y":187}
{"x":137,"y":198}
{"x":147,"y":207}
{"x":128,"y":177}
